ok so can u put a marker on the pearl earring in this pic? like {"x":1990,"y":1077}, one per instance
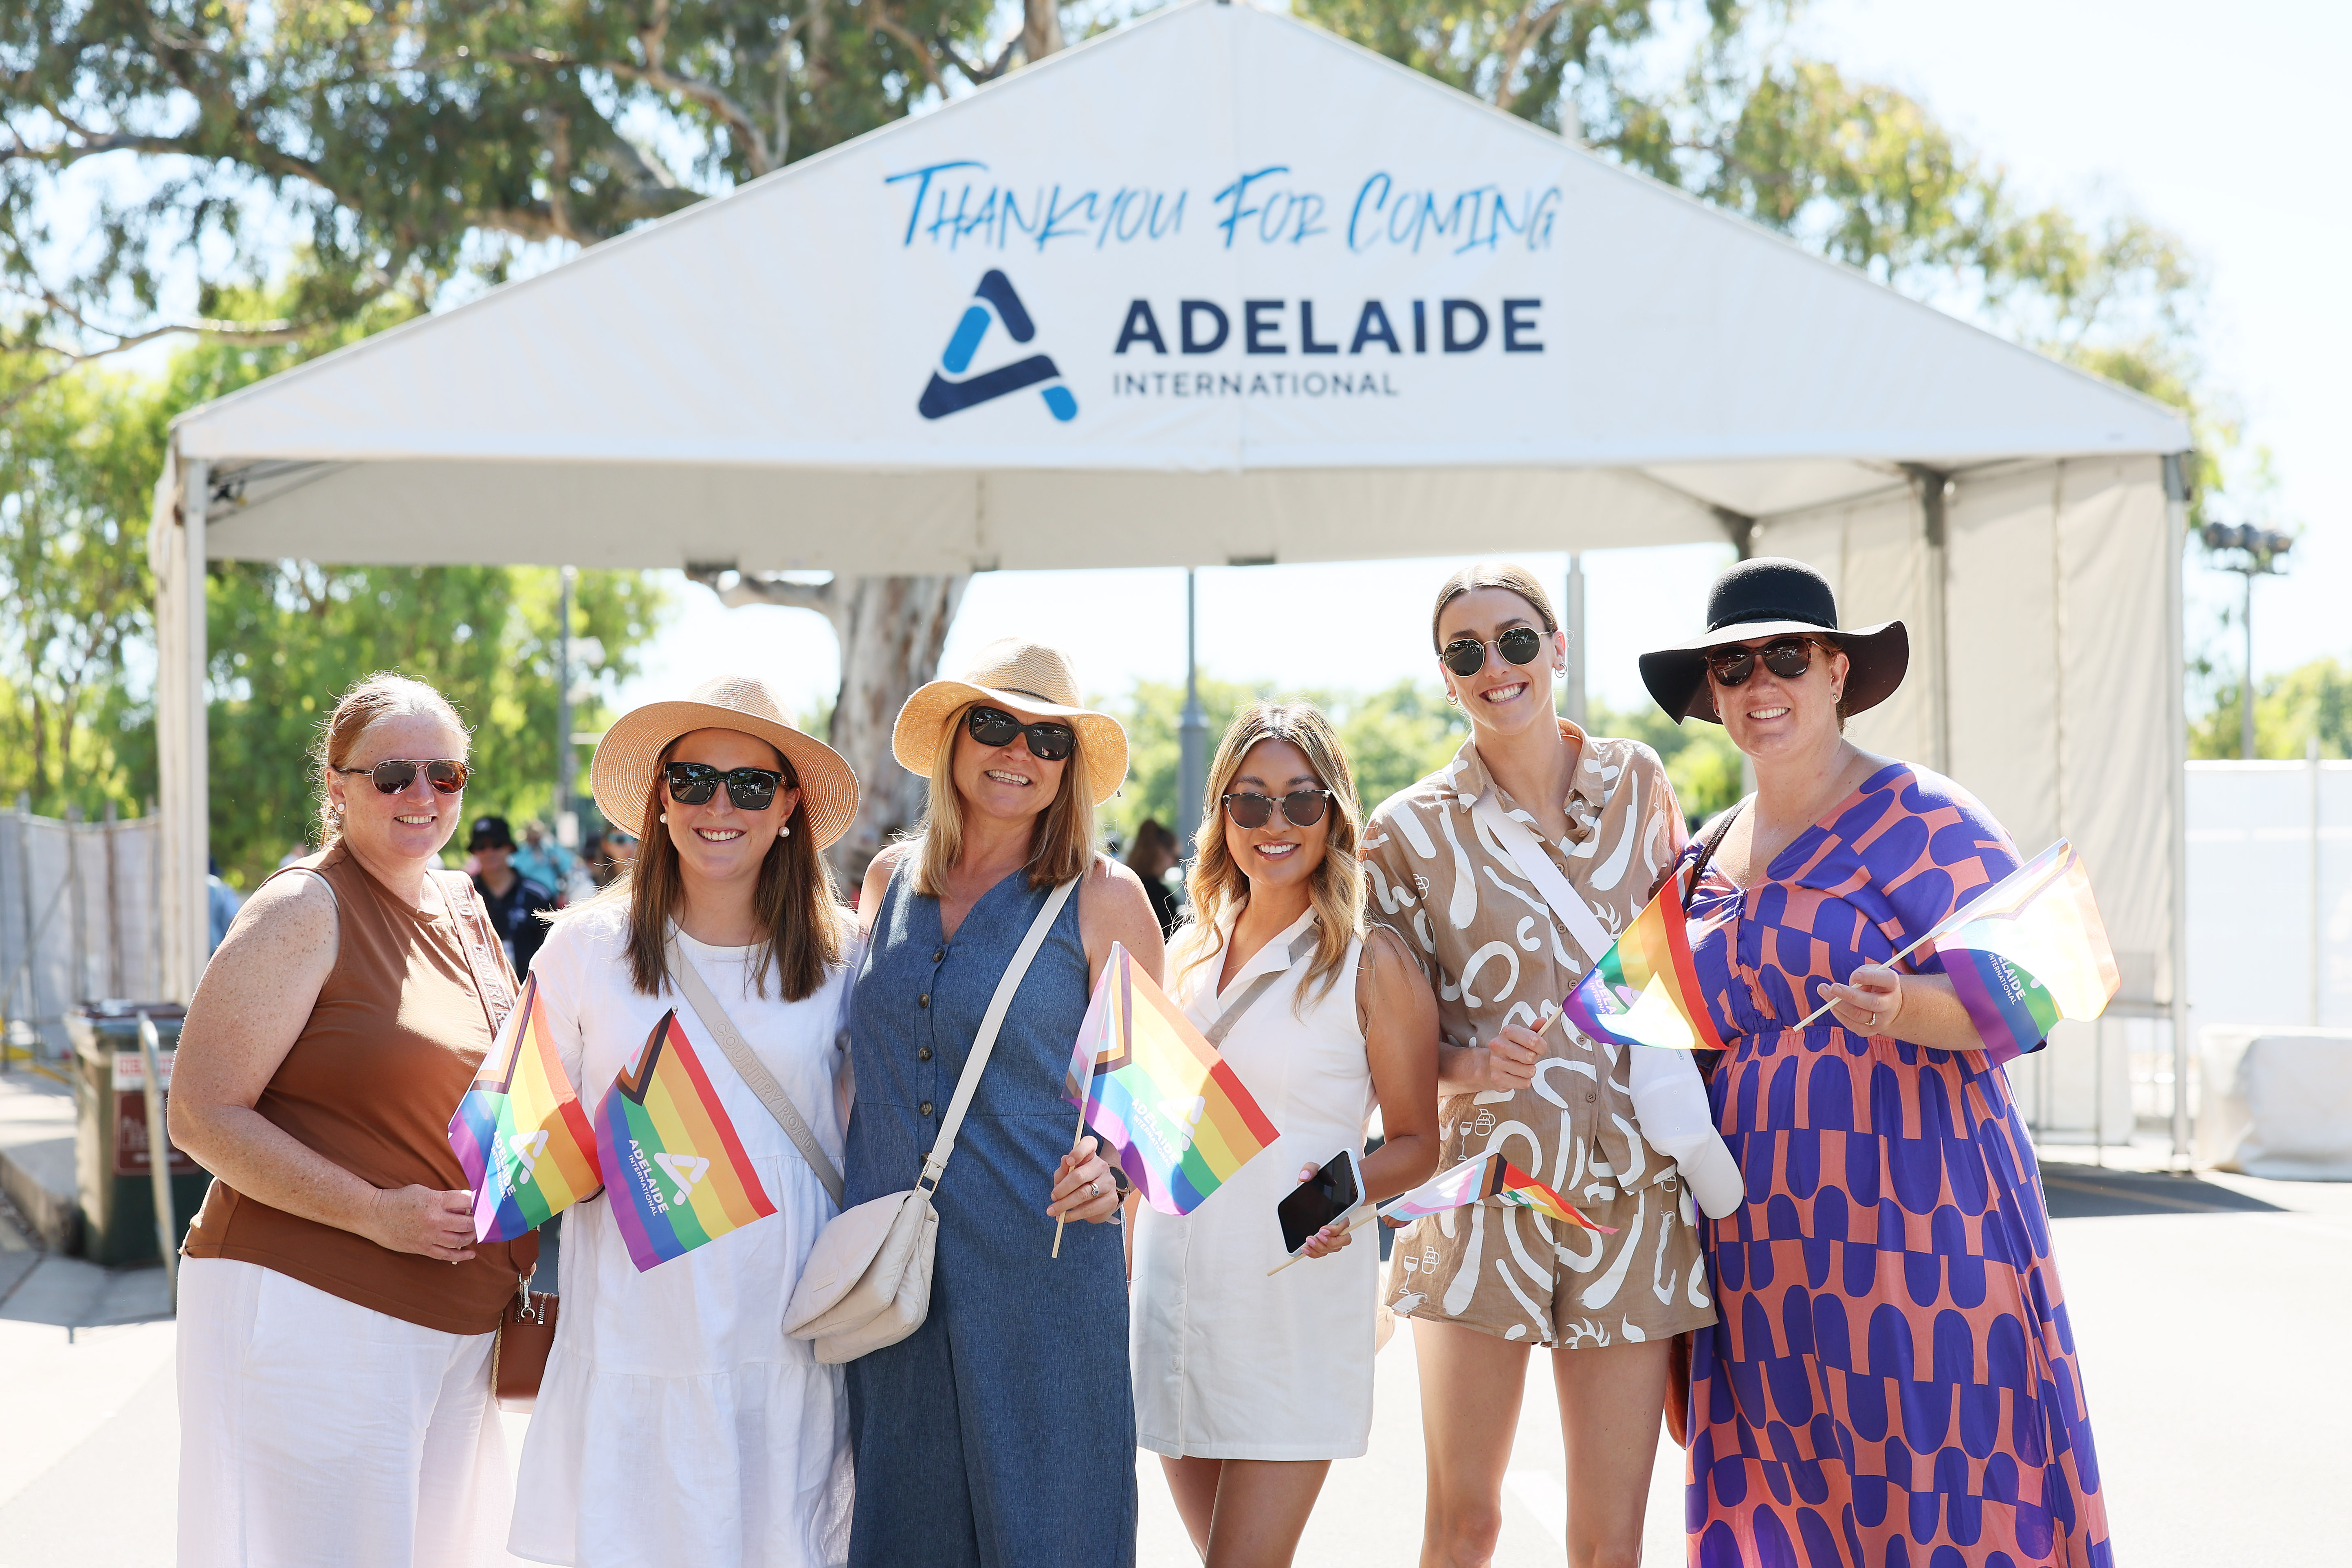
{"x":665,"y":816}
{"x":787,"y":831}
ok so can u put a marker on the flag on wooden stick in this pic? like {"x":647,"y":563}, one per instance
{"x":1150,"y":1086}
{"x":671,"y":1156}
{"x":1645,"y":991}
{"x":1489,"y":1176}
{"x":520,"y":1132}
{"x":2029,"y":951}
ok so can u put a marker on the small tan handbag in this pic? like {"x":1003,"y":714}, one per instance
{"x":868,"y":1281}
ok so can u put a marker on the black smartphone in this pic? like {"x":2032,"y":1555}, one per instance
{"x":1323,"y":1197}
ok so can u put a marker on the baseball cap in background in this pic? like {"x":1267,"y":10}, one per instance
{"x":490,"y":833}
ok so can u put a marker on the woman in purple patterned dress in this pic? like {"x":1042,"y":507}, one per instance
{"x":1891,"y":1379}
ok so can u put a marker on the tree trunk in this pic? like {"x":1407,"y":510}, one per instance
{"x":1041,"y":28}
{"x":890,"y":631}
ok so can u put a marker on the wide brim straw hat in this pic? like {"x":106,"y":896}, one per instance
{"x":1771,"y":596}
{"x":622,"y":777}
{"x":1024,"y":677}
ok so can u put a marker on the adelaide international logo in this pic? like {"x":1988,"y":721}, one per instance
{"x":950,"y":390}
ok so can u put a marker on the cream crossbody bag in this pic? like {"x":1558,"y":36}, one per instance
{"x":868,"y":1281}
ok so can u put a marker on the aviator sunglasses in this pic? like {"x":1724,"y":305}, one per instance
{"x":1786,"y":657}
{"x":1300,"y":807}
{"x":693,"y":784}
{"x":445,"y":775}
{"x":1047,"y":742}
{"x":1467,"y":655}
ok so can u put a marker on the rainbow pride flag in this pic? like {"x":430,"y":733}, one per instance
{"x":676,"y":1172}
{"x":520,"y":1132}
{"x":1151,"y":1087}
{"x":2029,"y":951}
{"x":1645,"y":991}
{"x":1491,"y":1176}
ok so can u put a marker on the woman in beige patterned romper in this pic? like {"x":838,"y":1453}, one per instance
{"x":1626,"y":1136}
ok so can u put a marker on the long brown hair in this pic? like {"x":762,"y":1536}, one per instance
{"x":1061,"y":845}
{"x":1337,"y":885}
{"x":383,"y":695}
{"x":803,"y":928}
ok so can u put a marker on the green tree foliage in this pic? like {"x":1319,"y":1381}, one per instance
{"x":402,"y":141}
{"x":2311,"y":701}
{"x":77,"y":462}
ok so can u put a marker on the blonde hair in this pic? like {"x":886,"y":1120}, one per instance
{"x":1337,"y":885}
{"x":368,"y":702}
{"x":1061,"y":845}
{"x":1508,"y":575}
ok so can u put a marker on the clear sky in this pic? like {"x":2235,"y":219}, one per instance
{"x":2210,"y":122}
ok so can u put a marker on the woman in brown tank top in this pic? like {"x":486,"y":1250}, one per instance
{"x":336,"y":1314}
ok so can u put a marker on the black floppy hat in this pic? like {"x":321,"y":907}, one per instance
{"x":1773,"y":597}
{"x":490,"y":833}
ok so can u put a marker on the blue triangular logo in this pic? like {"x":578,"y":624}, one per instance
{"x":993,"y":301}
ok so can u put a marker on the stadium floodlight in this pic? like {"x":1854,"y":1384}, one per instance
{"x":2259,"y":550}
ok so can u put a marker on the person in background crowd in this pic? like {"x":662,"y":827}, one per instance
{"x":1504,"y":934}
{"x":1001,"y":1433}
{"x":336,"y":1315}
{"x":543,"y":860}
{"x":221,"y":903}
{"x":1249,"y":1384}
{"x":295,"y":856}
{"x":620,"y":849}
{"x":1151,"y":856}
{"x":515,"y":901}
{"x":1892,"y":1378}
{"x":675,"y":1423}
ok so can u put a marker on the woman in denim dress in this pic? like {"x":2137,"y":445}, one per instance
{"x":1001,"y":1433}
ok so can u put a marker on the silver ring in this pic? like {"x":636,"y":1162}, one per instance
{"x":1874,"y":1020}
{"x":1094,"y":1188}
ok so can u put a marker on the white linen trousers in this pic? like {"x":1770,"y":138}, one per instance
{"x":1228,"y":1363}
{"x":317,"y":1433}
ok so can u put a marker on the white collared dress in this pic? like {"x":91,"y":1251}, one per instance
{"x":1229,"y":1364}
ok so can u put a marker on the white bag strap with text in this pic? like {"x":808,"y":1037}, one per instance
{"x":750,"y":1068}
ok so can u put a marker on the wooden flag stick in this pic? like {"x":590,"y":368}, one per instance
{"x":1896,"y":959}
{"x":1363,"y":1216}
{"x":1076,"y":1139}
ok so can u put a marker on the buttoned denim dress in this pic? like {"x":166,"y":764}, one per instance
{"x":1001,"y":1433}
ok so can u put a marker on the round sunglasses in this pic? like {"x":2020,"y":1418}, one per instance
{"x":1467,"y":655}
{"x":1786,"y":657}
{"x":1047,"y":742}
{"x":445,"y":775}
{"x":693,"y":784}
{"x":1300,"y":807}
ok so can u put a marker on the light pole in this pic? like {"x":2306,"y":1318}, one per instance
{"x":2259,"y":550}
{"x":1192,"y":733}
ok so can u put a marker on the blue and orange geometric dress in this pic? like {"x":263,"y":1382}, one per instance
{"x":1891,"y":1382}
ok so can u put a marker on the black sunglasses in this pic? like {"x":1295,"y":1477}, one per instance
{"x":1467,"y":655}
{"x":447,"y":776}
{"x":1786,"y":657}
{"x":1047,"y":742}
{"x":693,"y":784}
{"x":1300,"y":807}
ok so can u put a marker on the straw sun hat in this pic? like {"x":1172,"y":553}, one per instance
{"x":622,"y":777}
{"x":1028,"y":678}
{"x":1771,"y":596}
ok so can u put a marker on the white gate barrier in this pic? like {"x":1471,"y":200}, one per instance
{"x":80,"y":921}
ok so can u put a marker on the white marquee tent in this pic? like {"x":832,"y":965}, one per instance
{"x":1220,"y":286}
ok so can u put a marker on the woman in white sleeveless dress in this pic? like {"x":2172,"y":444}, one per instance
{"x":677,"y":1423}
{"x":1248,"y":1386}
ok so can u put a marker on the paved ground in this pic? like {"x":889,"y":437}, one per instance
{"x":2209,"y":1314}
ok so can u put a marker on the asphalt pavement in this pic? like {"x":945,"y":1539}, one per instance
{"x":2208,"y":1313}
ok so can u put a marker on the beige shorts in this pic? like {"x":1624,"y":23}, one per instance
{"x":1518,"y":1275}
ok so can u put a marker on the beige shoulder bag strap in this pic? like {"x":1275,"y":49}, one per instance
{"x":750,"y":1068}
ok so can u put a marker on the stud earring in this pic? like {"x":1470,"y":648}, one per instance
{"x":665,"y":816}
{"x":786,"y":832}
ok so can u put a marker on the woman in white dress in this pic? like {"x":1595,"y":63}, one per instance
{"x":1248,"y":1386}
{"x":677,"y":1423}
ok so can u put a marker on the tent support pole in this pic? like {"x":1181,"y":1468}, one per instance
{"x":1935,"y":490}
{"x":2175,"y":523}
{"x":1192,"y":734}
{"x":178,"y":557}
{"x":1573,"y":612}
